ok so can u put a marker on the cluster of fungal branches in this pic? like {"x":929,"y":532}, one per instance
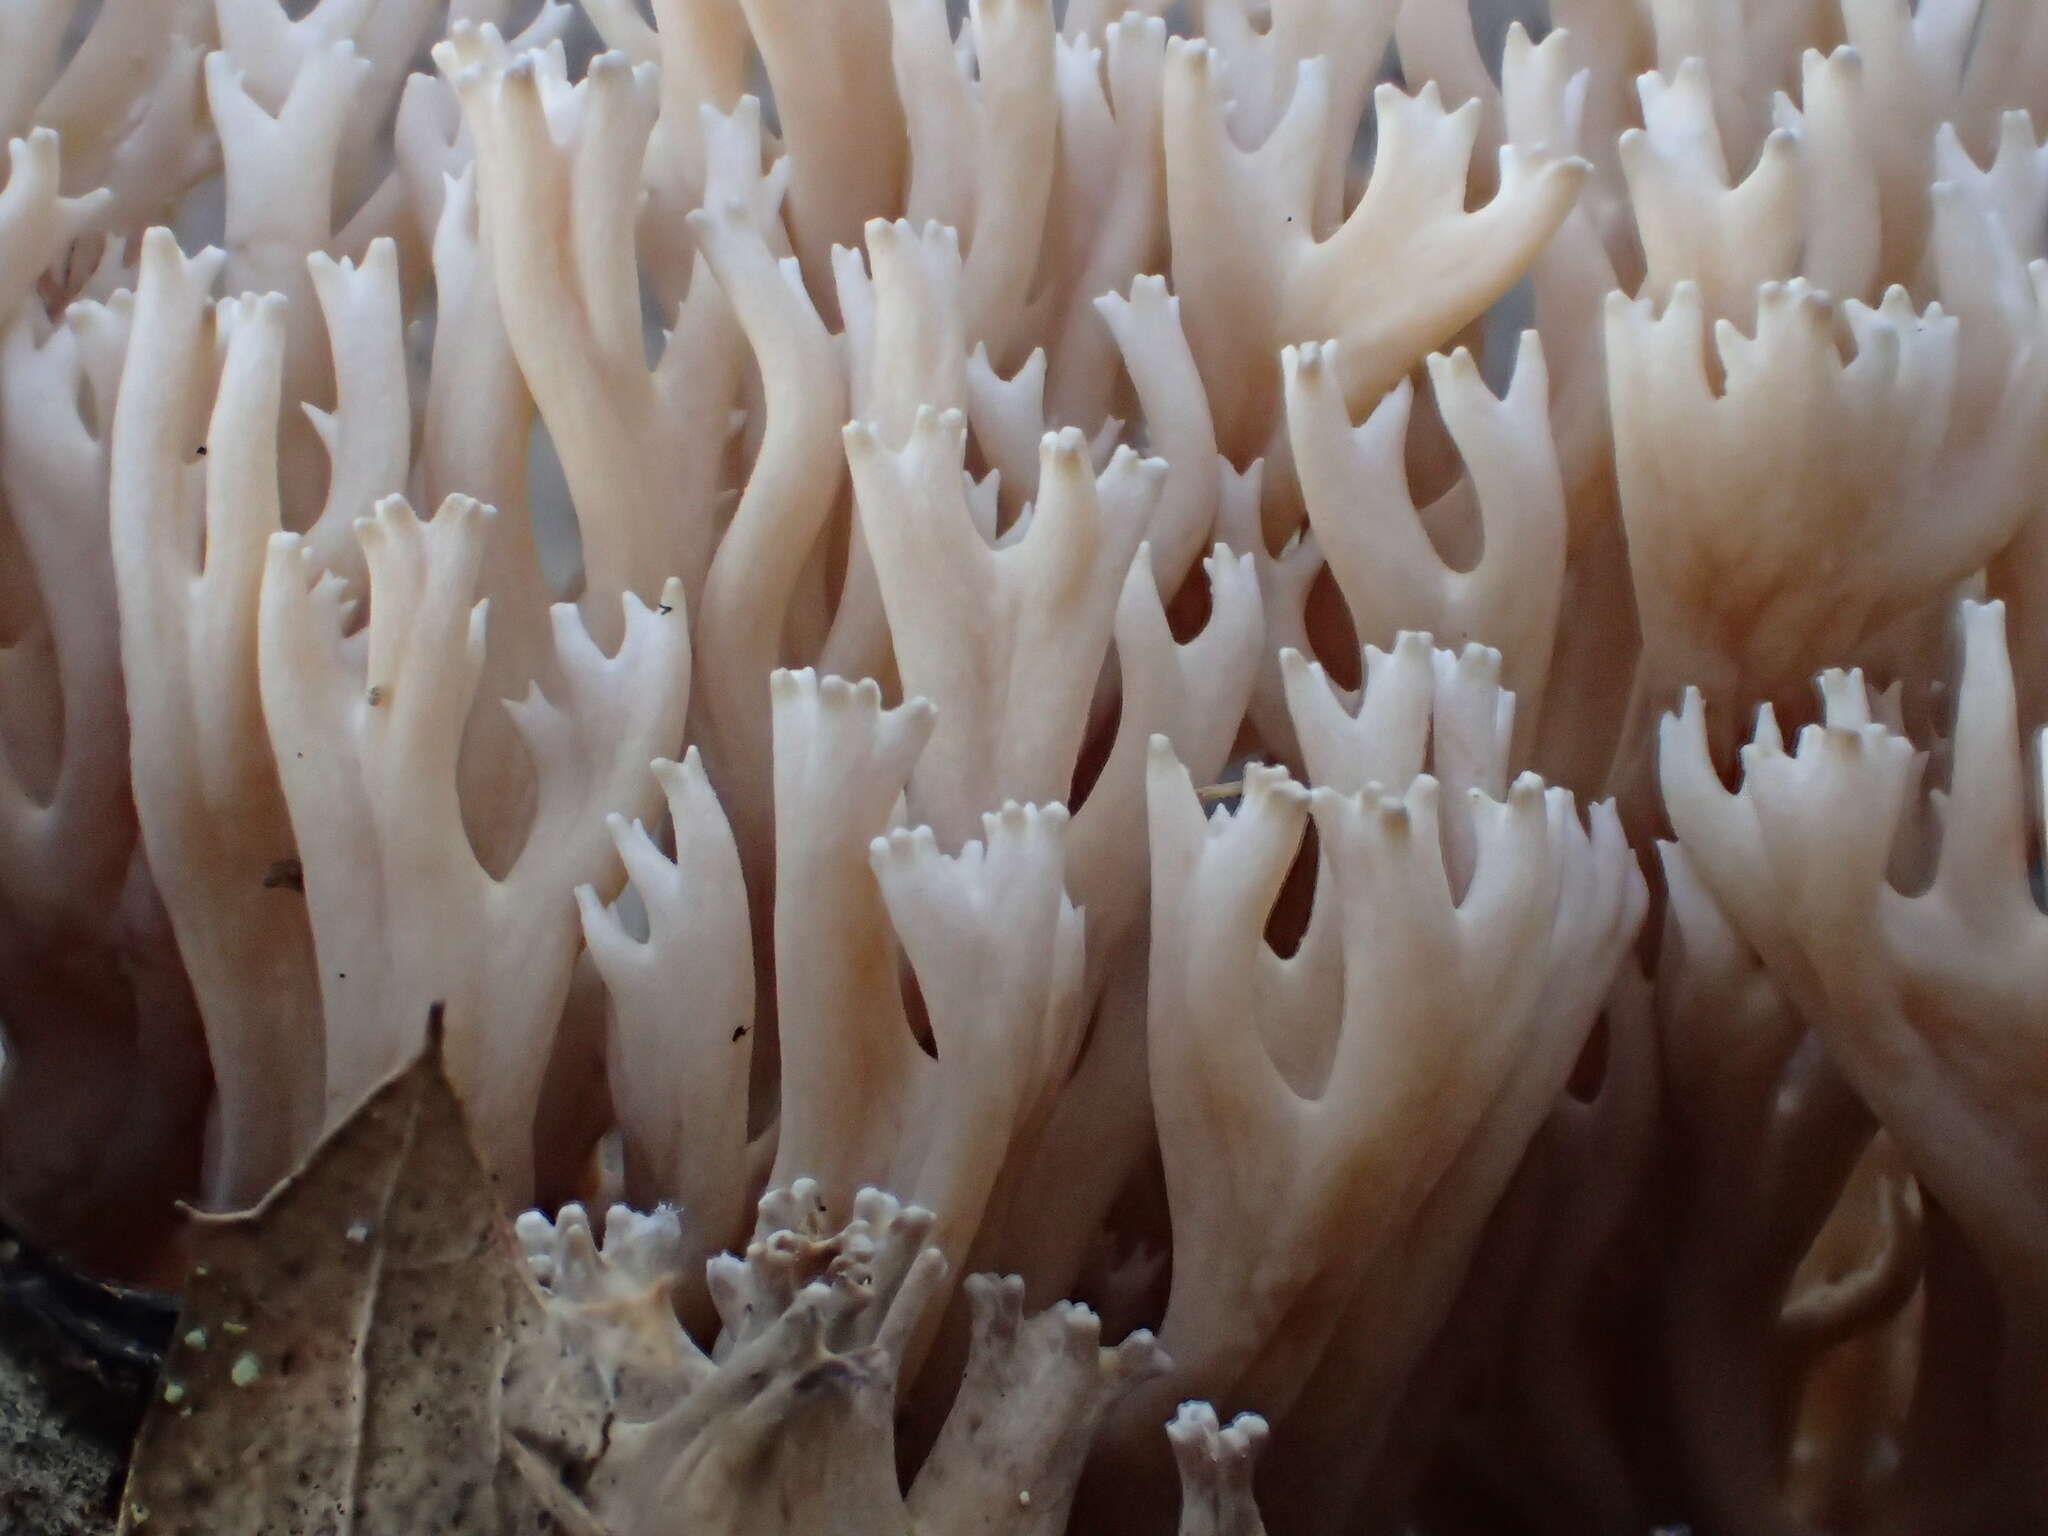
{"x":1134,"y":628}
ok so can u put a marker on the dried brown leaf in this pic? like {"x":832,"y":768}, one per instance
{"x":341,"y":1362}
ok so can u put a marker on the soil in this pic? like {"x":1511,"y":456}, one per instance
{"x":77,"y":1363}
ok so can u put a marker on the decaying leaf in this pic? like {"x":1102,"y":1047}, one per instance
{"x":342,"y":1358}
